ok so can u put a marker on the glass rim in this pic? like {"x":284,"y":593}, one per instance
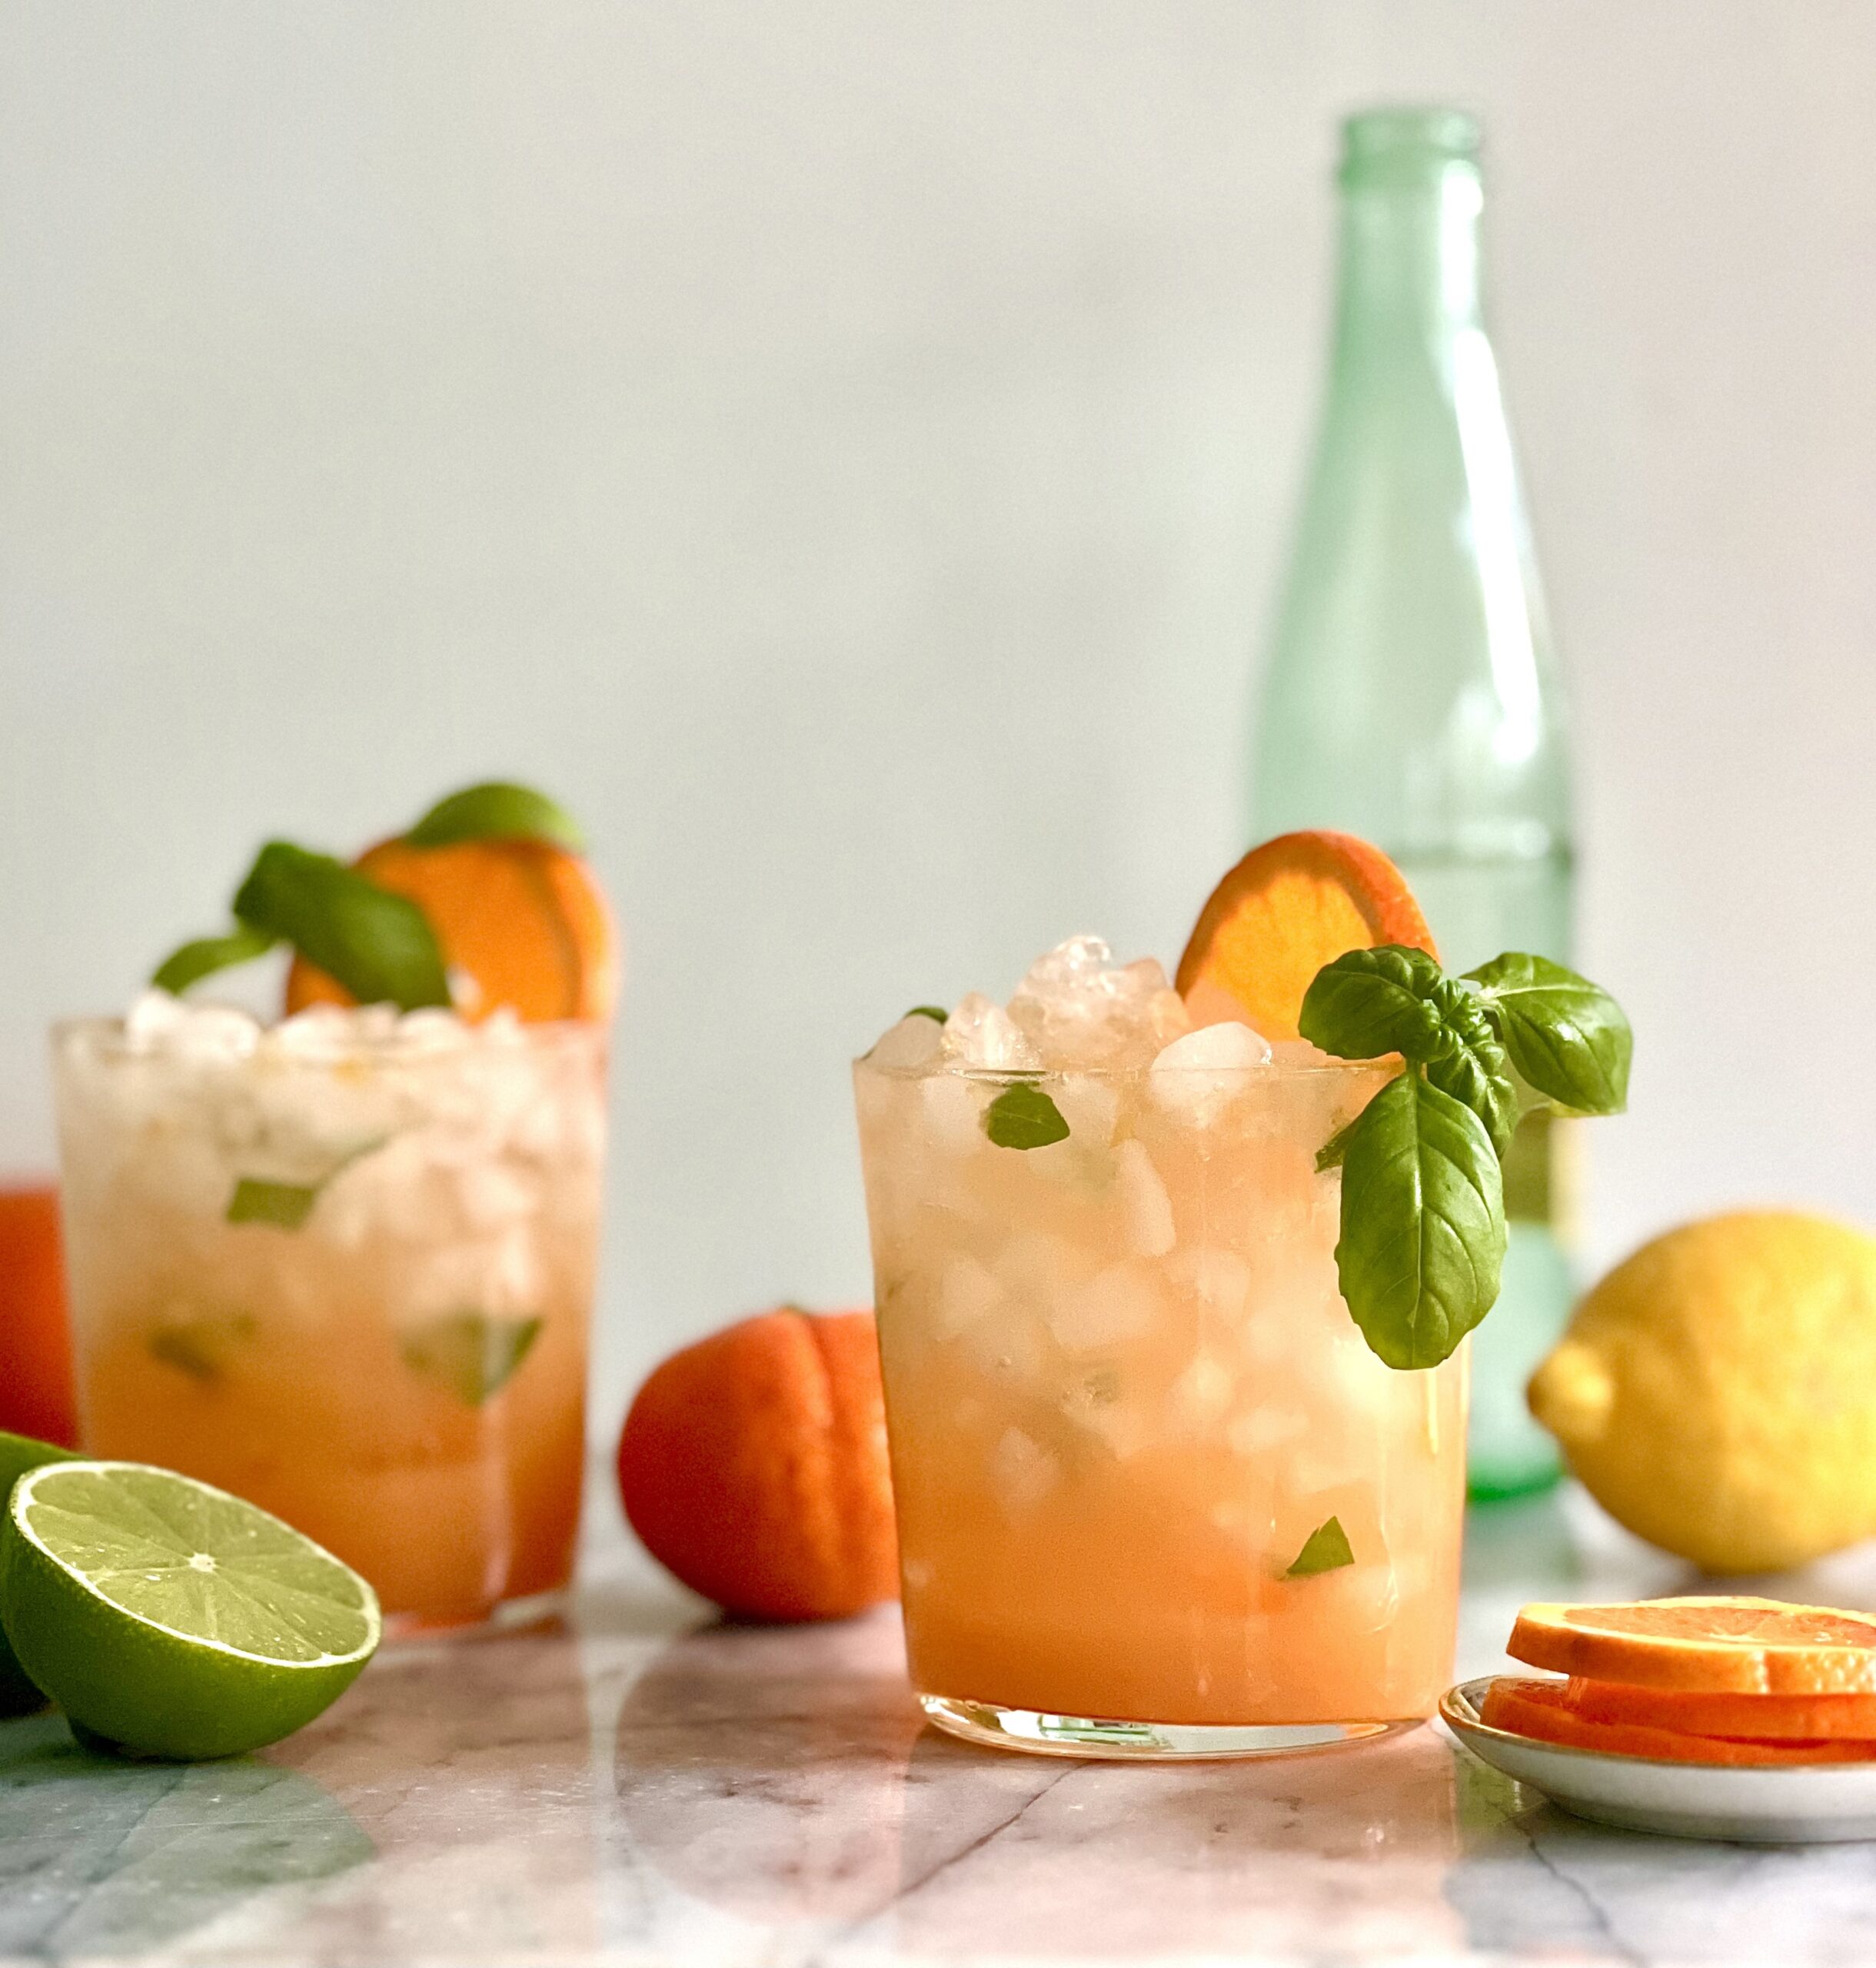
{"x":1269,"y":1069}
{"x":112,"y":1042}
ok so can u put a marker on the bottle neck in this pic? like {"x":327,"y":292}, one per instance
{"x":1409,"y":282}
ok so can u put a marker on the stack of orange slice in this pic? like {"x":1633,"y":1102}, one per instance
{"x":1706,"y":1681}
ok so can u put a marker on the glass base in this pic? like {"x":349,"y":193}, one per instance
{"x":537,"y":1609}
{"x":1040,"y":1734}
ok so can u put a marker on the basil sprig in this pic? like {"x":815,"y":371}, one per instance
{"x":378,"y":944}
{"x":1423,"y":1237}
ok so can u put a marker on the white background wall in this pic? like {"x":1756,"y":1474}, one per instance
{"x":844,"y":449}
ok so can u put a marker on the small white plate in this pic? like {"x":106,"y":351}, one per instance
{"x":1807,"y":1804}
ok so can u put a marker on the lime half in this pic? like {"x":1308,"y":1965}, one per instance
{"x":18,"y":1454}
{"x":170,"y":1619}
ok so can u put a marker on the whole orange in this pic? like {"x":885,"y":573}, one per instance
{"x":752,"y":1465}
{"x":35,"y":1340}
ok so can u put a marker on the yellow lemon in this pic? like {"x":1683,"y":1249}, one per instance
{"x":1716,"y":1393}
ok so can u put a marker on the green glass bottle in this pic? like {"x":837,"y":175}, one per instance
{"x":1411,"y":695}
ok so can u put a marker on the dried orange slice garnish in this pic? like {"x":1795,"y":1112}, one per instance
{"x":1748,"y":1718}
{"x":524,"y":921}
{"x":1542,"y":1710}
{"x":1288,"y":908}
{"x":1713,"y":1646}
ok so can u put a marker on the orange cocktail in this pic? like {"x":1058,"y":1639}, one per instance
{"x":1155,"y":1492}
{"x":343,"y":1267}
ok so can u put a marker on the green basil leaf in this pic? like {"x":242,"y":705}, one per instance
{"x":937,"y":1011}
{"x":1470,"y":1064}
{"x":201,"y":1347}
{"x":1568,"y":1037}
{"x":1367,"y":1003}
{"x":1024,"y":1116}
{"x":286,"y":1205}
{"x":204,"y":956}
{"x":497,"y":811}
{"x":1325,"y":1549}
{"x":1422,"y":1240}
{"x":1329,"y":1155}
{"x":470,"y":1354}
{"x":379,"y":946}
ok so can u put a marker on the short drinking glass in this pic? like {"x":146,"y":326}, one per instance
{"x":345,"y":1267}
{"x":1156,"y":1495}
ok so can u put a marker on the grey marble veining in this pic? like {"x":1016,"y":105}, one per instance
{"x":641,"y":1785}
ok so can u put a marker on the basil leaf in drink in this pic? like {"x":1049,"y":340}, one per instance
{"x":1367,"y":1003}
{"x":1325,"y":1549}
{"x":936,"y":1012}
{"x":201,"y":1347}
{"x":204,"y":956}
{"x":1568,"y":1037}
{"x":497,"y":811}
{"x":1023,"y":1116}
{"x":286,"y":1205}
{"x":379,"y":946}
{"x":1422,"y":1240}
{"x":1329,"y":1155}
{"x":472,"y":1354}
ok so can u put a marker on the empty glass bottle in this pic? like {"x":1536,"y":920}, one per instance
{"x":1411,"y":695}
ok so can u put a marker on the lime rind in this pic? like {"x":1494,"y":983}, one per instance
{"x":117,"y":1559}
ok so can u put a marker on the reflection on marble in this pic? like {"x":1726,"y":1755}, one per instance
{"x":642,"y":1785}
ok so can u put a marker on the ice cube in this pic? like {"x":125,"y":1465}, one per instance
{"x":1079,"y":1008}
{"x":1262,"y":1429}
{"x":154,"y":1016}
{"x":1219,"y":1280}
{"x":1090,"y":1106}
{"x":981,"y":1033}
{"x":1196,"y":1079}
{"x":1121,"y":1303}
{"x":911,"y":1045}
{"x":1067,"y":968}
{"x":1145,"y":1209}
{"x":203,"y":1034}
{"x":953,"y":1111}
{"x":1202,"y":1393}
{"x":967,"y":1292}
{"x":1023,"y":1471}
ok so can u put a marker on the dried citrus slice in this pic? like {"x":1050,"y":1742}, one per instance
{"x":1288,"y":908}
{"x":1712,"y":1646}
{"x":1542,"y":1710}
{"x":524,"y":921}
{"x":1748,"y":1718}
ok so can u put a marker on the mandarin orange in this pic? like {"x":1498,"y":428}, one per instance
{"x":752,"y":1466}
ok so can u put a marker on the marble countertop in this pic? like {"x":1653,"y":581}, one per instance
{"x":640,"y":1784}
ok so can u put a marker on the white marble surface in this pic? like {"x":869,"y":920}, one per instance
{"x":642,"y":1786}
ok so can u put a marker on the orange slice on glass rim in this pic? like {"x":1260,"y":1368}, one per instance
{"x":1288,"y":908}
{"x":1542,"y":1711}
{"x":522,"y":923}
{"x":1710,"y":1646}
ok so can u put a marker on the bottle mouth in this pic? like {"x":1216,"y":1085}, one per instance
{"x":1406,"y":146}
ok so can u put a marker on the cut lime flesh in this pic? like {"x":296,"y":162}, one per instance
{"x":171,"y":1617}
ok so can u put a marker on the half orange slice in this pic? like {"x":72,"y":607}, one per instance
{"x":1542,"y":1710}
{"x":1288,"y":908}
{"x":1748,"y":1718}
{"x":1712,"y":1646}
{"x":522,"y":923}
